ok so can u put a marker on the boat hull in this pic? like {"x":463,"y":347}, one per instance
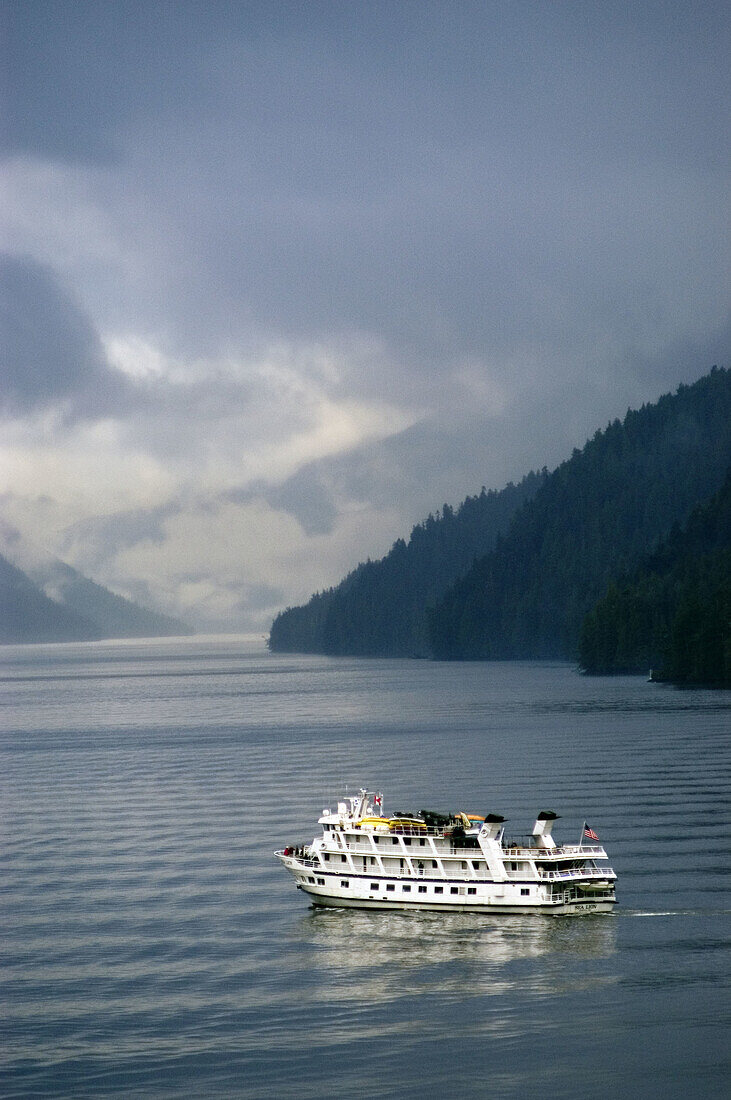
{"x":579,"y":907}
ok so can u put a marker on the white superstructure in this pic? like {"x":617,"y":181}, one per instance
{"x":457,"y":862}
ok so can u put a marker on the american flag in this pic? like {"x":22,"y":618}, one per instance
{"x":590,"y":833}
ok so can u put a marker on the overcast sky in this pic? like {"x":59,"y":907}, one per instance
{"x":281,"y":278}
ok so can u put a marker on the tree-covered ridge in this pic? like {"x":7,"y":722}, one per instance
{"x":380,"y":608}
{"x":674,"y":613}
{"x":593,"y":519}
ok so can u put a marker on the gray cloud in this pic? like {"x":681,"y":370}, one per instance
{"x":104,"y":536}
{"x":50,"y":353}
{"x":305,"y":495}
{"x":504,"y":223}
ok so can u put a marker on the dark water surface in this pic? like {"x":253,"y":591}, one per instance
{"x":153,"y":947}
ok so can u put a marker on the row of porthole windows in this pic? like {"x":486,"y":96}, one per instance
{"x":406,"y":889}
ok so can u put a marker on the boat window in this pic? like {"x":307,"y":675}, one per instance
{"x":406,"y":889}
{"x":438,"y":889}
{"x":321,"y":882}
{"x":375,"y":839}
{"x":453,"y":890}
{"x":524,"y":892}
{"x":343,"y":859}
{"x":475,"y":863}
{"x":422,"y":889}
{"x":390,"y":886}
{"x":327,"y":856}
{"x":434,"y":863}
{"x":394,"y":840}
{"x":345,"y":883}
{"x":374,"y":886}
{"x":310,"y":878}
{"x":471,"y":889}
{"x":422,"y":842}
{"x":407,"y":840}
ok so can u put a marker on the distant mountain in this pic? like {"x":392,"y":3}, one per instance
{"x":594,"y":519}
{"x":380,"y":609}
{"x":28,"y":615}
{"x":57,"y":604}
{"x":674,"y":613}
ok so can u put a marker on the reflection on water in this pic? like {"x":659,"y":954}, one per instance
{"x":455,"y":952}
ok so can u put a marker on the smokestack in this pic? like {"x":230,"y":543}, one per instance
{"x":542,"y":829}
{"x":492,"y":825}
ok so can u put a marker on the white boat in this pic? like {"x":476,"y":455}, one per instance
{"x":366,"y":859}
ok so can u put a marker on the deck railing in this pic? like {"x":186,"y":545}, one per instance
{"x":578,"y":872}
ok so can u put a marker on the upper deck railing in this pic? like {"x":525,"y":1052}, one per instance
{"x":508,"y":849}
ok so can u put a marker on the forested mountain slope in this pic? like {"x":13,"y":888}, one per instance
{"x":595,"y":518}
{"x":674,"y":613}
{"x":380,"y":608}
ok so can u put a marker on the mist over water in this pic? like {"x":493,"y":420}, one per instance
{"x":153,"y":947}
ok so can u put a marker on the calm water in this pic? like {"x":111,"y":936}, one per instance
{"x":153,"y":947}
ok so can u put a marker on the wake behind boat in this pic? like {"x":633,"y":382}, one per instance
{"x":460,"y":862}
